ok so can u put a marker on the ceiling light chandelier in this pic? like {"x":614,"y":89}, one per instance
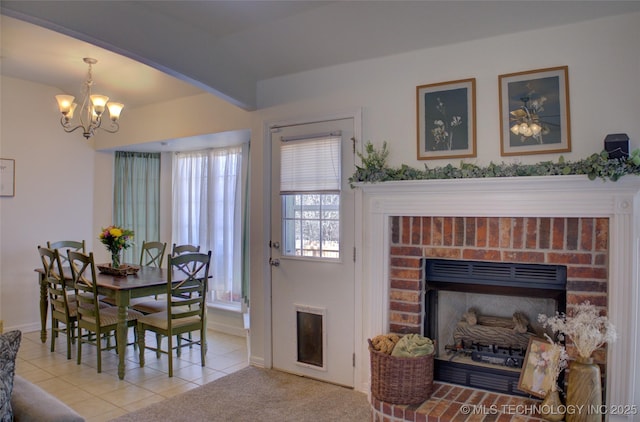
{"x":92,"y":109}
{"x":525,"y":121}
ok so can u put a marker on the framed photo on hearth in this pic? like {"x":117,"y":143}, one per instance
{"x":446,"y":119}
{"x":536,"y":378}
{"x":534,"y":112}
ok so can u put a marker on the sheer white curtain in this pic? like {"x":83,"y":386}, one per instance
{"x":208,"y":202}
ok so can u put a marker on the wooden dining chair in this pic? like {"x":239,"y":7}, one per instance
{"x":152,"y":254}
{"x":62,"y":301}
{"x":101,"y":321}
{"x":179,"y":250}
{"x":159,"y":304}
{"x":66,"y":245}
{"x":186,"y":309}
{"x":186,"y":248}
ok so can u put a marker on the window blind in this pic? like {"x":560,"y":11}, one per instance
{"x":310,"y":165}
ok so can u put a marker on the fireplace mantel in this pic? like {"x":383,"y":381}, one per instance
{"x":545,"y":196}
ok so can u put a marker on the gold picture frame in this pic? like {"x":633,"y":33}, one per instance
{"x":535,"y":377}
{"x":446,"y":119}
{"x":7,"y":177}
{"x":534,"y":112}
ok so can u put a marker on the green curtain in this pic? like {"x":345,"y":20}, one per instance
{"x":136,"y":203}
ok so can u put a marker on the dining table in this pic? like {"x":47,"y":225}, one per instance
{"x":147,"y":281}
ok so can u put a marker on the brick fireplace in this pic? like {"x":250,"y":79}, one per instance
{"x":589,"y":226}
{"x":579,"y":243}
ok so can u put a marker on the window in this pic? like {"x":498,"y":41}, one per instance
{"x":208,"y":210}
{"x":310,"y":194}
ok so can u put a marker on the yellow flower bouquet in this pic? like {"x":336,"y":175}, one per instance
{"x":116,"y":239}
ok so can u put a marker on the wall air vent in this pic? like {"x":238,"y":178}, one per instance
{"x":512,"y":275}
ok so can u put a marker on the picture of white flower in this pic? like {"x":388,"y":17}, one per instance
{"x":446,"y":120}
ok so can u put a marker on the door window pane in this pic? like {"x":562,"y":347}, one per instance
{"x":311,"y":225}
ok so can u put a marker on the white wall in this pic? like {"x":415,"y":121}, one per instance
{"x":604,"y":63}
{"x":602,"y":56}
{"x":53,"y":200}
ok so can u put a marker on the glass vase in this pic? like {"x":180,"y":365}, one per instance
{"x":584,"y":391}
{"x":551,"y":408}
{"x":115,"y":259}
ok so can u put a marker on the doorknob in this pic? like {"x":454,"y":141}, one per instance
{"x":274,"y":262}
{"x":275,"y":245}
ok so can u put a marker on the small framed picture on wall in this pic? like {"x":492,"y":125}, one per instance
{"x":446,"y":119}
{"x":7,"y":177}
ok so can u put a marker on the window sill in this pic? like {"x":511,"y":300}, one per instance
{"x":225,"y":307}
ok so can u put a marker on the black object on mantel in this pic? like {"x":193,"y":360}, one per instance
{"x":617,"y":145}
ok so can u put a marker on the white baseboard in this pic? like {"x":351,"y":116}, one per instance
{"x":257,"y":362}
{"x":227,"y":329}
{"x":25,"y":328}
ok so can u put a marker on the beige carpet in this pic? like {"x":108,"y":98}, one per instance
{"x":259,"y":395}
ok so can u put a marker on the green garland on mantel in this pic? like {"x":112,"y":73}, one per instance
{"x":374,"y":168}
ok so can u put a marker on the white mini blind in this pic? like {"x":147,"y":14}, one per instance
{"x":310,"y":165}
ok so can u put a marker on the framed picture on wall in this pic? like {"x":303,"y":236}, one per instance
{"x":536,"y":377}
{"x":534,"y":112}
{"x":446,"y":119}
{"x":7,"y":177}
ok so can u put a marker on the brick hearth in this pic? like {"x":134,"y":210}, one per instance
{"x":460,"y":404}
{"x":581,"y":244}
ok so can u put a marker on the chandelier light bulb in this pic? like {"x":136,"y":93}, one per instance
{"x":64,"y":103}
{"x":114,"y":110}
{"x":99,"y":103}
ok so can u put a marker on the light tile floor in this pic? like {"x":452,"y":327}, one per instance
{"x":101,"y":397}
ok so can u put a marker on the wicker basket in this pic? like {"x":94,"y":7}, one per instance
{"x":400,"y":380}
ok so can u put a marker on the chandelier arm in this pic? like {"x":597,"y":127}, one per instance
{"x":67,"y":127}
{"x":115,"y":126}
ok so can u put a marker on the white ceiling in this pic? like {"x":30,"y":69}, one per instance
{"x":169,"y":49}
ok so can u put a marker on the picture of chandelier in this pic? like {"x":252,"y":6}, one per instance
{"x":534,"y":111}
{"x":525,"y":120}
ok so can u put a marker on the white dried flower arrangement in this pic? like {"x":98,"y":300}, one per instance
{"x":586,"y":328}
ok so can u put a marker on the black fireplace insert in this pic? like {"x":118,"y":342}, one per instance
{"x":451,"y":286}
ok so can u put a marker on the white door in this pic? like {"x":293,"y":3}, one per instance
{"x":312,"y":250}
